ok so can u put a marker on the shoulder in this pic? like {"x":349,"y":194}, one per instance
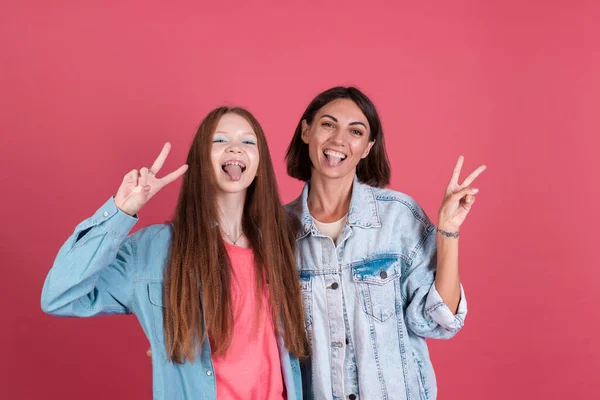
{"x":294,"y":208}
{"x":153,"y":240}
{"x":407,"y":220}
{"x":152,"y":245}
{"x":156,"y":234}
{"x":400,"y":205}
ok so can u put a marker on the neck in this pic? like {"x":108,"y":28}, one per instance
{"x":329,"y":199}
{"x":231,"y":208}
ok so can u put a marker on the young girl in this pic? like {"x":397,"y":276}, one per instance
{"x":217,"y":290}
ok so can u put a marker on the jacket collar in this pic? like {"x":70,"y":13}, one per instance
{"x":363,"y":209}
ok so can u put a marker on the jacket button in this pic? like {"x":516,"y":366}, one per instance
{"x":334,"y":285}
{"x":105,"y":213}
{"x":352,"y":397}
{"x":383,"y":274}
{"x":209,"y":372}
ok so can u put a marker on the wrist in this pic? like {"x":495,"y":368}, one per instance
{"x":121,"y":207}
{"x":448,"y":232}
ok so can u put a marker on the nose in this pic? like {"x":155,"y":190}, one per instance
{"x":234,"y":148}
{"x":337,"y":136}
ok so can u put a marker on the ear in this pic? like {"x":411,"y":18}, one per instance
{"x":304,"y":134}
{"x":368,"y":149}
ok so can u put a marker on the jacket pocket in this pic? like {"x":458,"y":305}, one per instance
{"x":155,"y":297}
{"x":375,"y":279}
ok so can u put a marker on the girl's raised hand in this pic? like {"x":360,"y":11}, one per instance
{"x":138,"y":187}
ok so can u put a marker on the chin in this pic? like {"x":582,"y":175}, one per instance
{"x":233,"y":187}
{"x":331,"y":174}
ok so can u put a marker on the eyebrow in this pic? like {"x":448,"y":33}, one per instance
{"x":335,"y":120}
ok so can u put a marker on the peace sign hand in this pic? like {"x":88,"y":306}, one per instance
{"x":458,"y":199}
{"x":140,"y":186}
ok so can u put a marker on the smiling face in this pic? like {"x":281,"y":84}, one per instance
{"x":234,"y":154}
{"x":337,"y":138}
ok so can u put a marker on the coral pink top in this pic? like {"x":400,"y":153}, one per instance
{"x":251,"y":369}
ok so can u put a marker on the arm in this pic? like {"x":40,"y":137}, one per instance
{"x":436,"y":301}
{"x":458,"y":200}
{"x":447,"y":278}
{"x":427,"y":315}
{"x":93,"y":271}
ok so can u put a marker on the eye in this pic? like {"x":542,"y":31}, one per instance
{"x":250,"y":142}
{"x":357,"y":132}
{"x":327,"y":124}
{"x":219,"y":140}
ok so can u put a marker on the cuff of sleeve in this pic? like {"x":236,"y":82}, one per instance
{"x":114,"y":221}
{"x":438,"y":311}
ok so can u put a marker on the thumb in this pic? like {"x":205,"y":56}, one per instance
{"x":468,"y":191}
{"x":467,"y":202}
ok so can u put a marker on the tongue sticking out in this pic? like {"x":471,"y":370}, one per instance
{"x":333,"y":161}
{"x":234,"y":172}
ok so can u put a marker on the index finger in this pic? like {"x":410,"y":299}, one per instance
{"x":469,"y":179}
{"x":160,"y":160}
{"x":174,"y":175}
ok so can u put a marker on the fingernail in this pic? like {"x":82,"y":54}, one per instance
{"x":475,"y":191}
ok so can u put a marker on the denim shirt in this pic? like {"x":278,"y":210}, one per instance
{"x":370,"y":299}
{"x":100,"y":270}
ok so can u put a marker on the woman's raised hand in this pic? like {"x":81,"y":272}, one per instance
{"x":458,"y":199}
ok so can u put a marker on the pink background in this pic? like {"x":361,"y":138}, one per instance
{"x":90,"y":91}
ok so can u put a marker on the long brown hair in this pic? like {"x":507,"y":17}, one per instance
{"x":197,"y":279}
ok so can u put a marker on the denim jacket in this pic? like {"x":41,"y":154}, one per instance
{"x":370,"y":299}
{"x":100,"y":270}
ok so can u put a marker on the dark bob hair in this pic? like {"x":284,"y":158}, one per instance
{"x":374,"y":170}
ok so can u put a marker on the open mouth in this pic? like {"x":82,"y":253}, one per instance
{"x":234,"y":169}
{"x":334,"y":158}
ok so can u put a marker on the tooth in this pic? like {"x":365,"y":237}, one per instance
{"x":335,"y":154}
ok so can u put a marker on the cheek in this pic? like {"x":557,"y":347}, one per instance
{"x":214,"y":160}
{"x":254,"y":158}
{"x":321,"y":135}
{"x":360,"y":147}
{"x":253,"y":154}
{"x":215,"y":157}
{"x":315,"y":143}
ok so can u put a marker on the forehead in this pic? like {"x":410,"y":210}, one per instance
{"x":234,"y":124}
{"x":344,"y":110}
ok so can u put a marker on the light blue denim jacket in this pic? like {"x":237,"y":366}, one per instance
{"x":100,"y":270}
{"x":370,"y":300}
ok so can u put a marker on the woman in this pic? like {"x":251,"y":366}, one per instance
{"x":216,"y":291}
{"x":377,"y":276}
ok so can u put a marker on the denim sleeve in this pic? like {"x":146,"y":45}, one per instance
{"x":93,"y":271}
{"x":426,"y":313}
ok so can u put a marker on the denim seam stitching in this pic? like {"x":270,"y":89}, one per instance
{"x":414,"y":252}
{"x":418,"y":216}
{"x":94,"y":279}
{"x":134,"y":266}
{"x":434,"y":307}
{"x":376,"y":356}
